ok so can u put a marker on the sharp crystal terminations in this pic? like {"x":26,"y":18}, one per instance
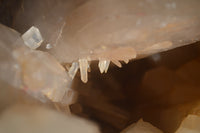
{"x":83,"y":64}
{"x":103,"y":65}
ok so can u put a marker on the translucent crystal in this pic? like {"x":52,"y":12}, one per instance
{"x":117,"y":63}
{"x":73,"y":69}
{"x":36,"y":72}
{"x":9,"y":67}
{"x":43,"y":74}
{"x":83,"y":64}
{"x":32,"y":38}
{"x":48,"y":46}
{"x":103,"y":65}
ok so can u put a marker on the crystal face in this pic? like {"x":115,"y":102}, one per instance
{"x":32,"y":38}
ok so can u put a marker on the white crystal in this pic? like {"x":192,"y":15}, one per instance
{"x":126,"y":61}
{"x":73,"y":69}
{"x":32,"y":38}
{"x":48,"y":46}
{"x":103,"y":65}
{"x":107,"y":65}
{"x":117,"y":63}
{"x":83,"y":64}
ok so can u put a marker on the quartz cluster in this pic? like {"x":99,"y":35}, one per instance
{"x":36,"y":72}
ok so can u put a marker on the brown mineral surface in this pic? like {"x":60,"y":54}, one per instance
{"x":100,"y":66}
{"x":79,"y":28}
